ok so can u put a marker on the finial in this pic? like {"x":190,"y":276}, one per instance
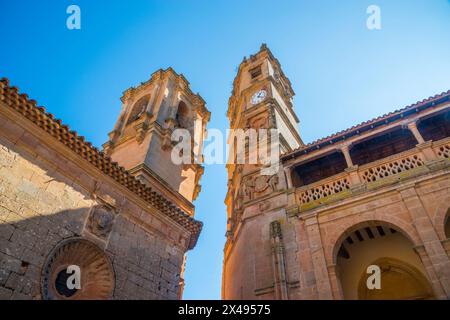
{"x":263,"y":47}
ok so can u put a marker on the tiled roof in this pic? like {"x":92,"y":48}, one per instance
{"x":394,"y":116}
{"x":54,"y":127}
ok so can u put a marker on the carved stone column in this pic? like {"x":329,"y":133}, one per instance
{"x":318,"y":258}
{"x":278,"y":263}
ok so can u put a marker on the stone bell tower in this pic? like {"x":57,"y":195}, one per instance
{"x":141,"y":139}
{"x":261,"y":99}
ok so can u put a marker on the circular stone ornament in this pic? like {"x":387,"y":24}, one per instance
{"x":96,"y":272}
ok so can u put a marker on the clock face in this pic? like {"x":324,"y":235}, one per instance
{"x":259,"y":96}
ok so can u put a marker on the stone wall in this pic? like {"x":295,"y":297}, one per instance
{"x":48,"y":193}
{"x":417,"y":208}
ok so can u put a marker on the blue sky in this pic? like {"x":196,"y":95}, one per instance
{"x":342,"y":72}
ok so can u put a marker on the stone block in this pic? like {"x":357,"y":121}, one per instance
{"x":5,"y":293}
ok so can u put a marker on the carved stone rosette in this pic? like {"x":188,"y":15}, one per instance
{"x":96,"y":272}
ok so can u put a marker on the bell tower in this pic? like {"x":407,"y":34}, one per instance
{"x":261,"y":99}
{"x":141,"y":139}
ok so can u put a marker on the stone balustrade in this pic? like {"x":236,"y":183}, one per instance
{"x":442,"y":148}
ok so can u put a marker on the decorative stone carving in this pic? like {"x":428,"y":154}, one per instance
{"x":167,"y":142}
{"x":275,"y":230}
{"x":239,"y":199}
{"x":274,"y":181}
{"x":259,"y":184}
{"x":141,"y":129}
{"x":197,"y":190}
{"x":198,"y":175}
{"x":97,"y":275}
{"x":101,"y":221}
{"x":249,"y":187}
{"x":272,"y":119}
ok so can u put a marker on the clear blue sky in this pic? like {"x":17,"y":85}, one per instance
{"x":342,"y":73}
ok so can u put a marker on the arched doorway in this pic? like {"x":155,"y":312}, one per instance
{"x":402,"y":275}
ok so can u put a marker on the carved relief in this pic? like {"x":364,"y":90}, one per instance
{"x":259,"y":184}
{"x":198,"y":175}
{"x":272,"y":119}
{"x":101,"y":221}
{"x":197,"y":190}
{"x":275,"y":230}
{"x":240,"y":198}
{"x":97,"y":275}
{"x":249,"y":187}
{"x":274,"y":181}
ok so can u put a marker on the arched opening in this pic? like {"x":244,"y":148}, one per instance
{"x":183,"y":116}
{"x":401,"y":273}
{"x":447,"y":225}
{"x":138,"y":109}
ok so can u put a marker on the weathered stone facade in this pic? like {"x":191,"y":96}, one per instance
{"x":63,"y":202}
{"x":377,"y":193}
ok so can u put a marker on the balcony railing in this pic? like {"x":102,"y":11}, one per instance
{"x":324,"y":189}
{"x":393,"y":167}
{"x":373,"y":175}
{"x":442,"y":148}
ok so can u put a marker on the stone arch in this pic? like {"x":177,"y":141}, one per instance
{"x":138,"y":108}
{"x":393,"y":270}
{"x":365,"y":243}
{"x":97,"y":275}
{"x":183,"y":116}
{"x":441,"y":217}
{"x":348,"y":226}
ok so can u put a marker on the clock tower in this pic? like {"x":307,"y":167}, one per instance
{"x":261,"y":99}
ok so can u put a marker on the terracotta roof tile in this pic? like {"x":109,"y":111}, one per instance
{"x":370,"y":124}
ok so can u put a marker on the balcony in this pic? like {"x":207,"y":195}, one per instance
{"x":356,"y":179}
{"x":420,"y":160}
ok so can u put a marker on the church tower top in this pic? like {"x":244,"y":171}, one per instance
{"x":257,"y":67}
{"x":141,"y":140}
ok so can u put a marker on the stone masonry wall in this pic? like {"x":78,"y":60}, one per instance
{"x":418,"y":208}
{"x":46,"y":198}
